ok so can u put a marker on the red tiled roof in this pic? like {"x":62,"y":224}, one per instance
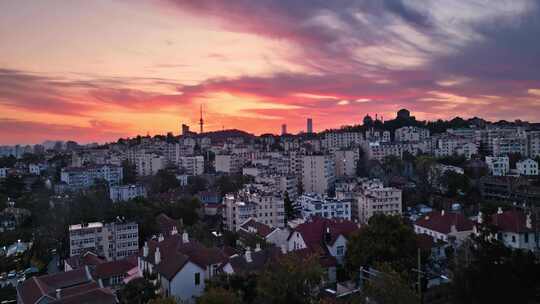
{"x":75,"y":286}
{"x":261,"y":229}
{"x":511,"y":221}
{"x":313,"y":232}
{"x":166,"y":224}
{"x":86,"y":259}
{"x":436,"y":221}
{"x":114,"y":268}
{"x":175,"y":254}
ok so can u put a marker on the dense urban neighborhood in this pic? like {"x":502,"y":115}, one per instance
{"x":385,"y":211}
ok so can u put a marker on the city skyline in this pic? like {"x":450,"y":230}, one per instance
{"x":108,"y":69}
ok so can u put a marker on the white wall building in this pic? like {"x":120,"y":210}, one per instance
{"x":498,"y":165}
{"x":126,"y":192}
{"x":316,"y":205}
{"x":229,"y":163}
{"x":84,"y":177}
{"x":411,"y":133}
{"x":116,"y":240}
{"x":374,"y":198}
{"x":318,"y":173}
{"x":149,"y":164}
{"x":527,"y":167}
{"x":193,"y":165}
{"x":346,"y":162}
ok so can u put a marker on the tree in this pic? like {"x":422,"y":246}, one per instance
{"x":455,"y":183}
{"x":290,"y":279}
{"x":129,"y":172}
{"x":486,"y":271}
{"x":386,"y":239}
{"x":138,"y":291}
{"x":288,"y":206}
{"x":390,"y":287}
{"x":163,"y":181}
{"x":218,"y":296}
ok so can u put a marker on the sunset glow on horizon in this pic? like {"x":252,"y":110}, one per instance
{"x":103,"y":69}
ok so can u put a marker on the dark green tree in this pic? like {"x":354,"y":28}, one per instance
{"x":138,"y":291}
{"x":288,"y":206}
{"x":129,"y":172}
{"x":290,"y":279}
{"x":218,"y":296}
{"x":386,"y":239}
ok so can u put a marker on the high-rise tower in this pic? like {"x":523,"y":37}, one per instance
{"x":310,"y":125}
{"x":201,"y":122}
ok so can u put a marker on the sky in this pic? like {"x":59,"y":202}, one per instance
{"x":103,"y":69}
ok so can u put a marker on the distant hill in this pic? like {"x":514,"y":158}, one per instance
{"x":217,"y":136}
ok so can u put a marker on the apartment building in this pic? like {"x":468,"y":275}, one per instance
{"x":374,"y":198}
{"x":527,"y":167}
{"x":318,"y":173}
{"x":262,"y":206}
{"x":410,"y":133}
{"x":498,"y":165}
{"x":229,"y":163}
{"x":380,"y":150}
{"x":340,"y":140}
{"x":533,"y":143}
{"x":77,"y":178}
{"x":346,"y":162}
{"x":115,"y":240}
{"x":126,"y":192}
{"x":315,"y":205}
{"x":192,"y":165}
{"x":148,"y":163}
{"x":510,"y":145}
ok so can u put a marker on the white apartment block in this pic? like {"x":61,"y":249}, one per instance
{"x":318,"y":173}
{"x":375,"y":135}
{"x":229,"y":163}
{"x":527,"y":167}
{"x":498,"y":165}
{"x":486,"y":138}
{"x":449,"y":144}
{"x":83,"y":177}
{"x":533,"y":143}
{"x":346,"y":162}
{"x":126,"y":192}
{"x":148,"y":164}
{"x":379,"y":150}
{"x":373,"y":199}
{"x":261,"y":206}
{"x":411,"y":133}
{"x":280,"y":183}
{"x":113,"y":241}
{"x":510,"y":145}
{"x":315,"y":205}
{"x":192,"y":165}
{"x":338,"y":140}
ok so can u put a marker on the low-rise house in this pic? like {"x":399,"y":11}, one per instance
{"x":115,"y":274}
{"x":182,"y":265}
{"x":76,"y":286}
{"x":516,"y":229}
{"x":444,"y":226}
{"x":325,"y":238}
{"x":315,"y":205}
{"x":251,"y":261}
{"x":498,"y":165}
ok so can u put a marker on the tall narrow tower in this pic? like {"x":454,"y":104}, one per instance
{"x":201,"y":122}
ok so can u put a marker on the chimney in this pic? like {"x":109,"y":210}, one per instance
{"x":160,"y":237}
{"x":157,"y":256}
{"x":283,"y":249}
{"x":174,"y":230}
{"x":58,"y":291}
{"x":185,"y":237}
{"x":479,"y":217}
{"x":145,"y":249}
{"x":327,"y":235}
{"x":442,"y":212}
{"x":528,"y":221}
{"x":257,"y":247}
{"x":248,"y":255}
{"x":499,"y":210}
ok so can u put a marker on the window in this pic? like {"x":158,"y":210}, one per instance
{"x":197,"y":279}
{"x":513,"y":238}
{"x":526,"y":237}
{"x":340,"y":250}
